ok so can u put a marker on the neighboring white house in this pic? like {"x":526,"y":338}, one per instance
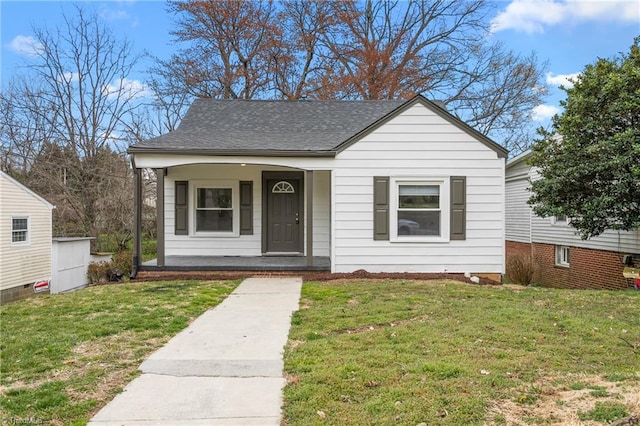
{"x":25,"y":239}
{"x":384,"y":186}
{"x":561,"y":257}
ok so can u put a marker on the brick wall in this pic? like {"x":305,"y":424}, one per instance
{"x":594,"y":269}
{"x":588,"y":269}
{"x":517,"y":248}
{"x":17,"y":293}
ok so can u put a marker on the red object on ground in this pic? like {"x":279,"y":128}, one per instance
{"x":41,"y":285}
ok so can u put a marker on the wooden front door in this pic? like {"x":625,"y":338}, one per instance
{"x":284,"y":218}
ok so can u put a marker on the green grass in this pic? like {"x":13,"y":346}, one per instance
{"x":606,"y":412}
{"x":402,"y":352}
{"x":64,"y":356}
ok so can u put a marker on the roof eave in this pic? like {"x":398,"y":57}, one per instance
{"x":231,"y":153}
{"x":519,"y":158}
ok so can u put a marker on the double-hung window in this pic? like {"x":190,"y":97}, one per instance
{"x":20,"y":230}
{"x":562,"y":255}
{"x":420,"y":210}
{"x":216,"y":208}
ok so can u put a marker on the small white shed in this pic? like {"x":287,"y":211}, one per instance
{"x":70,"y":261}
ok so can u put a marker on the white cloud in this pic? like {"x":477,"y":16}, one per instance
{"x":25,"y":45}
{"x":69,"y":77}
{"x":132,"y":89}
{"x":566,"y":80}
{"x":533,"y":16}
{"x":544,"y":112}
{"x":111,"y":14}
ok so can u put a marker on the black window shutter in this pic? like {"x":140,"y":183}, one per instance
{"x":458,"y":208}
{"x":182,"y":208}
{"x":381,"y":208}
{"x":246,"y":208}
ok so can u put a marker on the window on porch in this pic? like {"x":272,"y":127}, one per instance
{"x":214,"y":209}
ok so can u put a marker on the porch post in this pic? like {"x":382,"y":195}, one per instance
{"x":137,"y":217}
{"x":160,"y":217}
{"x":309,"y":208}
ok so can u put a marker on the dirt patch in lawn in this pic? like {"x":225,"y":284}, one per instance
{"x":554,"y":400}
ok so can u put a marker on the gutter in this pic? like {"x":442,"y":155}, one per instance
{"x":229,"y":153}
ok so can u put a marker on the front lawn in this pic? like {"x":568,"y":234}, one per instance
{"x":65,"y":356}
{"x":408,"y":352}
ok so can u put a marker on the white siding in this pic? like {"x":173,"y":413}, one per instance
{"x":23,"y":264}
{"x":242,"y":245}
{"x":518,"y":212}
{"x":71,"y":258}
{"x":321,"y":213}
{"x":418,"y":143}
{"x":544,"y":230}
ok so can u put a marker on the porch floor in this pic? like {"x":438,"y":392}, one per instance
{"x":238,"y":263}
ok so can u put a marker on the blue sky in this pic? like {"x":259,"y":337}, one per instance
{"x":569,"y":34}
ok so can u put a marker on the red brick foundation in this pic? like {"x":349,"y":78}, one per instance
{"x":18,"y":293}
{"x":516,"y":248}
{"x":588,"y":269}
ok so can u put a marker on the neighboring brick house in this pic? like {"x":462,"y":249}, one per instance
{"x":560,"y":257}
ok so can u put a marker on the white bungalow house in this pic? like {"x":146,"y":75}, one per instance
{"x":383,"y":186}
{"x":25,"y":239}
{"x":560,"y":257}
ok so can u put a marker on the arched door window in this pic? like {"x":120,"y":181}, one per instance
{"x":283,"y":187}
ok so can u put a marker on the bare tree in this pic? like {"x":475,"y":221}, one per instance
{"x":299,"y":61}
{"x":67,"y":122}
{"x":229,"y":52}
{"x":358,"y":50}
{"x":395,"y":49}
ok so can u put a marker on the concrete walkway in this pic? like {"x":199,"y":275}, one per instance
{"x":224,"y":369}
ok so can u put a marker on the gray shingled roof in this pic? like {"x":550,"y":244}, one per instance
{"x":240,"y":125}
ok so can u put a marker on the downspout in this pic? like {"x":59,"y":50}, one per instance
{"x":137,"y":228}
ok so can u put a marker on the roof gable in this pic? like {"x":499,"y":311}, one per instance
{"x":286,"y":128}
{"x":11,"y":180}
{"x":434,"y":107}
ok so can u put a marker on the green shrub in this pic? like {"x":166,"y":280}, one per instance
{"x":117,"y":268}
{"x":520,"y":269}
{"x":98,"y":272}
{"x":122,"y":262}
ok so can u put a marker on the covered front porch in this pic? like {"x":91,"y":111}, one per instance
{"x":274,"y":217}
{"x":238,"y":263}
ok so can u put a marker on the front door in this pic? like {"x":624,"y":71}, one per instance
{"x":284,"y":215}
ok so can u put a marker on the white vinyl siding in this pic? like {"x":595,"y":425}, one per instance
{"x":547,"y":230}
{"x":518,"y":212}
{"x":417,"y":143}
{"x":524,"y":226}
{"x":237,"y":245}
{"x":420,"y":144}
{"x":23,"y":263}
